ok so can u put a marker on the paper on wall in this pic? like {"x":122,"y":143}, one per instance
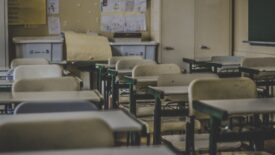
{"x":112,"y":6}
{"x":140,"y":6}
{"x":54,"y":25}
{"x":135,"y":23}
{"x":112,"y":23}
{"x":53,"y":7}
{"x":124,"y":5}
{"x":121,"y":23}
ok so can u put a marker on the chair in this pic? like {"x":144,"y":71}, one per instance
{"x":145,"y":107}
{"x":54,"y":132}
{"x":115,"y":59}
{"x":211,"y":89}
{"x":54,"y":106}
{"x":28,"y":61}
{"x":182,"y":80}
{"x":37,"y":71}
{"x":46,"y":84}
{"x":131,"y":63}
{"x":126,"y":64}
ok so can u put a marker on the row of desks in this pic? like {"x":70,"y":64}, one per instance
{"x":156,"y":150}
{"x":220,"y":110}
{"x":118,"y":120}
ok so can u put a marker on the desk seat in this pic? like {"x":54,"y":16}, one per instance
{"x":201,"y":143}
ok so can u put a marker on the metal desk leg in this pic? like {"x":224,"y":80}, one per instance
{"x":157,"y":122}
{"x":133,"y":105}
{"x":214,"y":124}
{"x":115,"y":94}
{"x":107,"y":92}
{"x":190,"y":135}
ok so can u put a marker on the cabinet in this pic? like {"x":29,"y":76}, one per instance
{"x":4,"y":59}
{"x":148,"y":50}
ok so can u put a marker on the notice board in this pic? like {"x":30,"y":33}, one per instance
{"x":123,"y":15}
{"x":27,"y":12}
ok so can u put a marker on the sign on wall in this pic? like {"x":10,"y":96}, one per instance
{"x":123,"y":15}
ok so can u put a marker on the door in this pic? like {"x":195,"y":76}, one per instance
{"x":177,"y":30}
{"x":213,"y":28}
{"x":3,"y":34}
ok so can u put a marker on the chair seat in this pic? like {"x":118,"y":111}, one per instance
{"x":201,"y":143}
{"x":168,"y":124}
{"x":145,"y":108}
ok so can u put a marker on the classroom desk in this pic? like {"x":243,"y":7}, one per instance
{"x":154,"y":150}
{"x":118,"y":120}
{"x":86,"y":66}
{"x":159,"y":93}
{"x":4,"y":69}
{"x":197,"y":65}
{"x":5,"y":85}
{"x":220,"y":110}
{"x":229,"y":69}
{"x":3,"y":75}
{"x":134,"y":95}
{"x":6,"y":98}
{"x":263,"y":76}
{"x":257,"y":70}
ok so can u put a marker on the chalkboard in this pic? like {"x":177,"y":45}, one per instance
{"x":262,"y":20}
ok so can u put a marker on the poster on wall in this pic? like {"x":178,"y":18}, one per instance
{"x":122,"y":23}
{"x":123,"y":15}
{"x":53,"y":7}
{"x":27,"y":12}
{"x":54,"y":25}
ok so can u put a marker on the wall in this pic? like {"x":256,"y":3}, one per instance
{"x":241,"y":34}
{"x":76,"y":15}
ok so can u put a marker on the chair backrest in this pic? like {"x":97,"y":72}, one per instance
{"x":46,"y":84}
{"x":115,"y":59}
{"x":228,"y":88}
{"x":37,"y":71}
{"x":55,"y":134}
{"x":28,"y":61}
{"x":155,"y":70}
{"x":54,"y":106}
{"x":130,"y":64}
{"x":182,"y":79}
{"x":227,"y":59}
{"x":258,"y":62}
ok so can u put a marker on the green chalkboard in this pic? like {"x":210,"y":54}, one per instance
{"x":262,"y":20}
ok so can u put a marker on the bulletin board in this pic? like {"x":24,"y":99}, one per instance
{"x":123,"y":15}
{"x":27,"y":12}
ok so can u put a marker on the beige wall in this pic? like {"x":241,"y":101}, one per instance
{"x":76,"y":15}
{"x":241,"y":34}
